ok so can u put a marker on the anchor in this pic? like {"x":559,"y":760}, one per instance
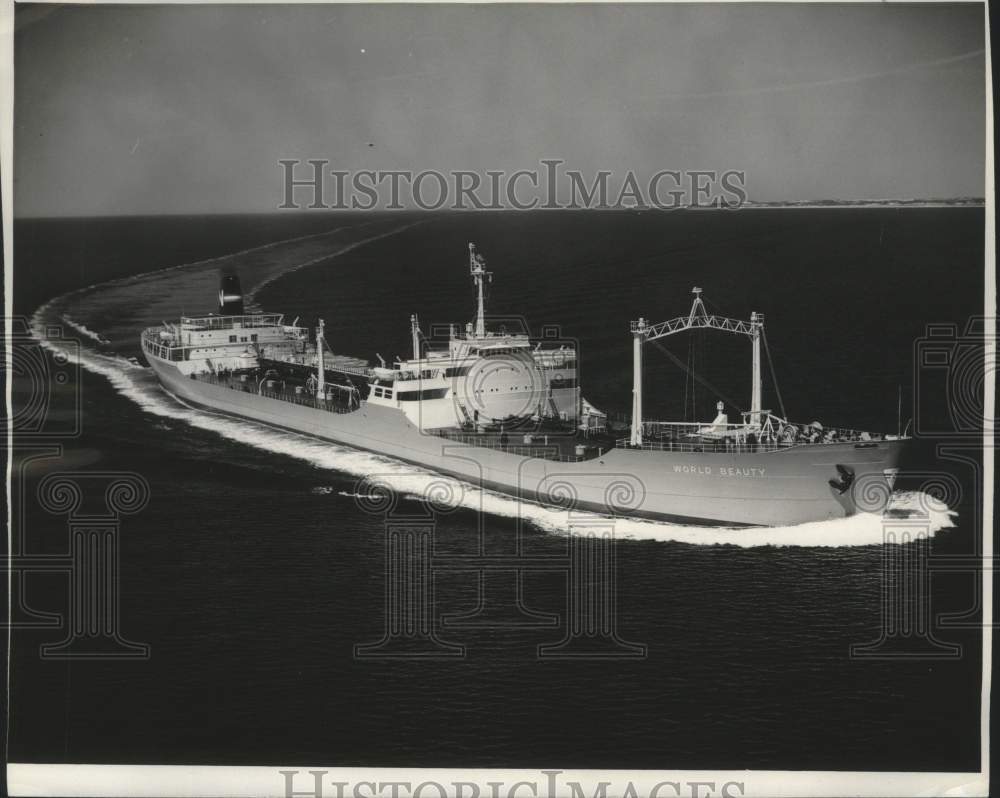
{"x":845,"y":481}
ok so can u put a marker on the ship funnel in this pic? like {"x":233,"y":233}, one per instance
{"x":230,"y":296}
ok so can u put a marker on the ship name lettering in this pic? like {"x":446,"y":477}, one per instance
{"x":690,"y":469}
{"x":741,"y":471}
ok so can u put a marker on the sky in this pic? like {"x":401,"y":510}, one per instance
{"x":188,"y":109}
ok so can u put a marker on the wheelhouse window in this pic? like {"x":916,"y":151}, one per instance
{"x":427,"y":393}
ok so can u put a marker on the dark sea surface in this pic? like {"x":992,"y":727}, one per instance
{"x":253,"y":573}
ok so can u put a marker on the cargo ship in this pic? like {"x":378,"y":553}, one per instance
{"x":503,"y":411}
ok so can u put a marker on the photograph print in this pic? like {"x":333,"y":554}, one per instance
{"x":521,"y":400}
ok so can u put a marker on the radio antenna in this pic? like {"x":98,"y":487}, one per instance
{"x":899,"y":410}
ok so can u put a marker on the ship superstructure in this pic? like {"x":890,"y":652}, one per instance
{"x":479,"y":377}
{"x":499,"y":409}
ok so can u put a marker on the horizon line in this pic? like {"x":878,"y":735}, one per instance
{"x":827,"y":204}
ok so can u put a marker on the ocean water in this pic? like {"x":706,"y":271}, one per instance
{"x":255,"y":570}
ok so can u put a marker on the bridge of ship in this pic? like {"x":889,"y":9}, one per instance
{"x":173,"y":346}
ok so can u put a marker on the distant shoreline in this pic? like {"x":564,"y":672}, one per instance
{"x":971,"y":202}
{"x":749,"y":206}
{"x":847,"y":205}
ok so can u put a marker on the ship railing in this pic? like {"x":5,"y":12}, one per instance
{"x":152,"y":345}
{"x":358,"y":372}
{"x":773,"y":434}
{"x":815,"y":432}
{"x":225,"y":322}
{"x":422,"y":375}
{"x":308,"y":400}
{"x":310,"y":362}
{"x":727,"y":446}
{"x":252,"y":386}
{"x":175,"y":350}
{"x":689,"y":427}
{"x":540,"y":451}
{"x":555,"y":358}
{"x":806,"y":433}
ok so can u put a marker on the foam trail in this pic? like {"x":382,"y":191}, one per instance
{"x":133,"y":278}
{"x":249,"y":296}
{"x":83,"y":330}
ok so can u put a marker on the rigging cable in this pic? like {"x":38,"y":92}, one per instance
{"x":695,"y":361}
{"x":687,"y":379}
{"x":700,"y":349}
{"x":774,"y":377}
{"x":678,"y":362}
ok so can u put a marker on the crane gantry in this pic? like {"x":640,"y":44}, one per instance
{"x":698,"y":318}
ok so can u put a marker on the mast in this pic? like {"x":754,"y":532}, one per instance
{"x":638,"y":334}
{"x":756,"y":326}
{"x":415,"y":332}
{"x":320,"y":370}
{"x":697,"y":307}
{"x":477,"y":268}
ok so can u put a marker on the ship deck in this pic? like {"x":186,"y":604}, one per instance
{"x":549,"y":441}
{"x":561,"y":444}
{"x":774,"y":435}
{"x":276,"y":388}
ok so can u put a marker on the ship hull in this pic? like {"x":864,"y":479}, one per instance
{"x":767,"y":488}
